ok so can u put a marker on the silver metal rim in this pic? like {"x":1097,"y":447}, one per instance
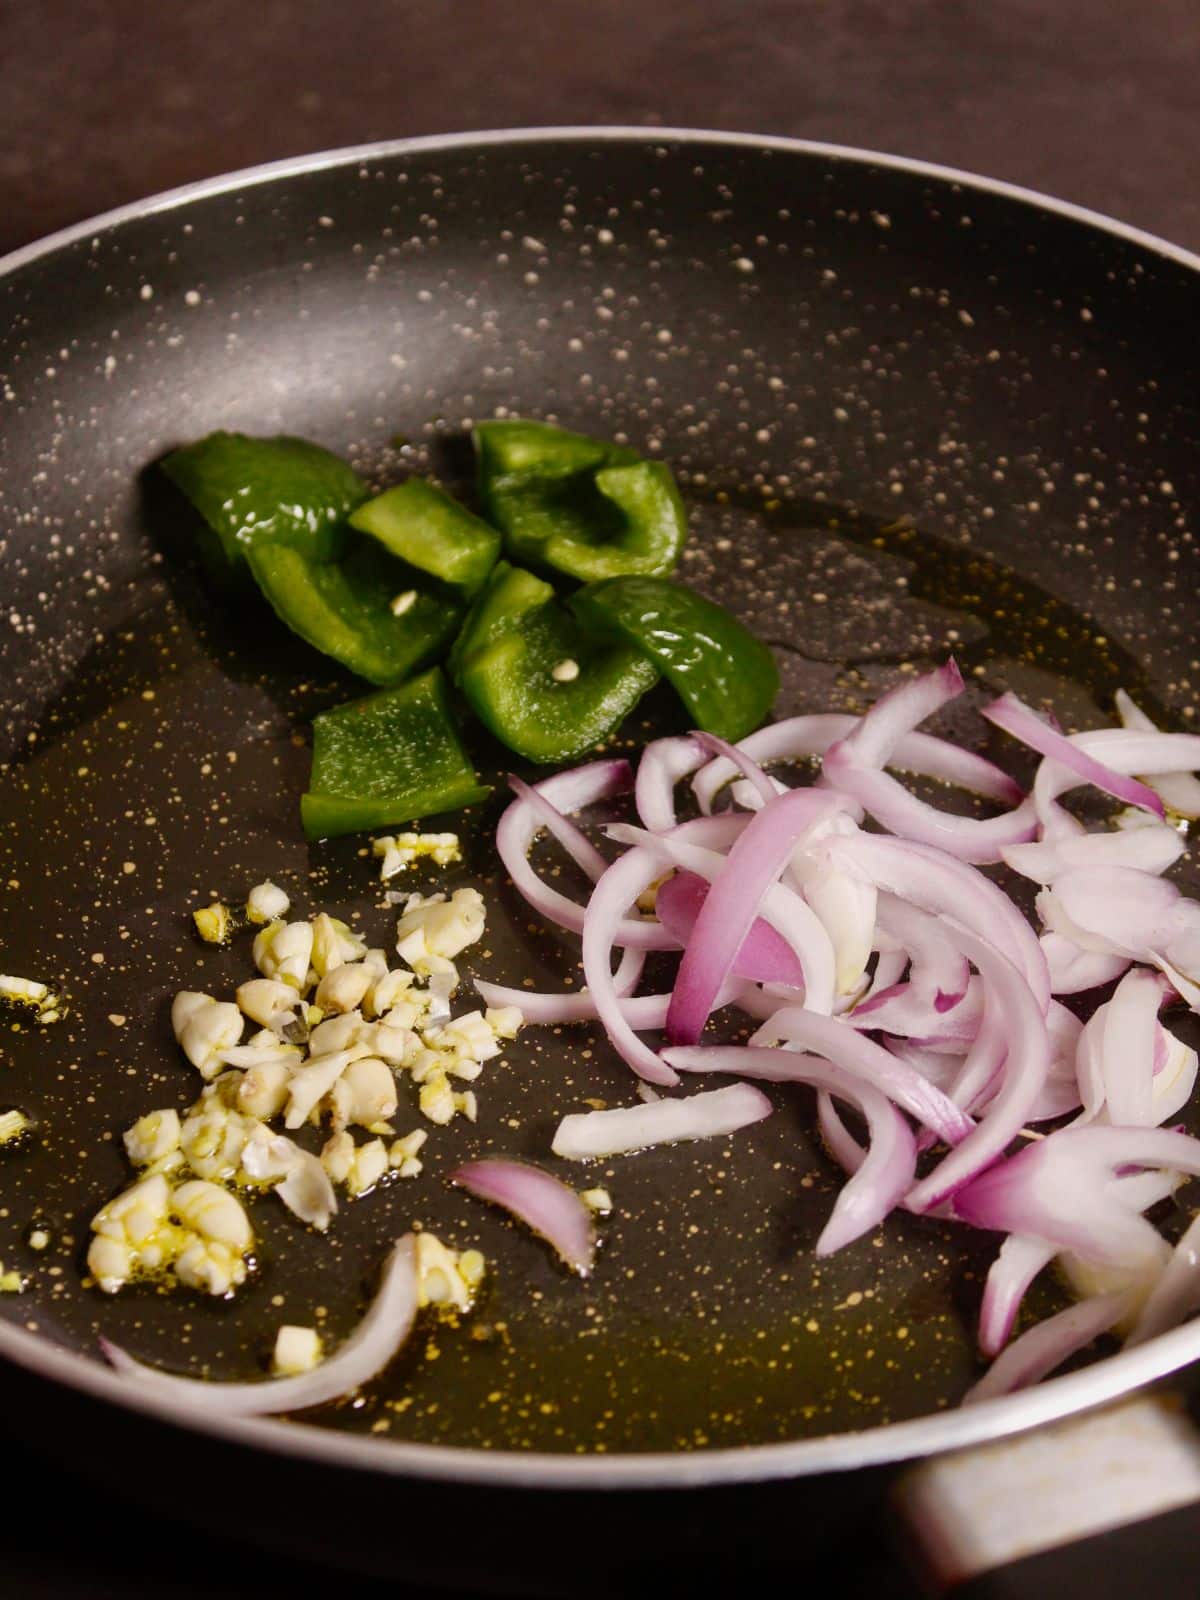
{"x":950,"y":1430}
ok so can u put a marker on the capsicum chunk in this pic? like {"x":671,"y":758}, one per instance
{"x":393,"y":756}
{"x":578,"y":506}
{"x":725,"y":677}
{"x":540,"y":682}
{"x":425,"y":527}
{"x":374,"y":614}
{"x":280,"y":489}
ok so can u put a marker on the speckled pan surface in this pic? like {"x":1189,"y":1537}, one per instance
{"x":908,"y":415}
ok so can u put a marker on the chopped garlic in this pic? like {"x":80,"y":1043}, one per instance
{"x":263,"y":1091}
{"x":403,"y":603}
{"x":212,"y":1138}
{"x":283,"y":950}
{"x":403,"y":1153}
{"x":370,"y":1164}
{"x":447,"y":1279}
{"x":214,"y":923}
{"x":344,"y":987}
{"x":565,"y":671}
{"x":333,"y":944}
{"x":297,"y":1350}
{"x":365,"y":1093}
{"x":401,"y":850}
{"x":205,"y":1028}
{"x":598,"y":1200}
{"x":133,"y":1232}
{"x":437,"y":1100}
{"x":22,"y":991}
{"x":266,"y":902}
{"x":431,"y":932}
{"x":11,"y":1282}
{"x":268,"y":1002}
{"x":13,"y":1124}
{"x":505,"y":1021}
{"x":310,"y":1083}
{"x":152,"y":1137}
{"x":337,"y":1156}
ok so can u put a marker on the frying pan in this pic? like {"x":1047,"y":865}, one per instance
{"x":910,"y":411}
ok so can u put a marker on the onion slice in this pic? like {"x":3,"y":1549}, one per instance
{"x":544,"y":1203}
{"x":367,"y":1351}
{"x":755,"y":862}
{"x":880,"y":1177}
{"x":1024,"y":724}
{"x":585,"y":1135}
{"x":1048,"y":1344}
{"x":1179,"y":791}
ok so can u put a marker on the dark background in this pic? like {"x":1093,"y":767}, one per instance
{"x":107,"y":100}
{"x":102,"y":103}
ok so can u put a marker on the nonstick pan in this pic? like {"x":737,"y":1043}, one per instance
{"x":911,"y":412}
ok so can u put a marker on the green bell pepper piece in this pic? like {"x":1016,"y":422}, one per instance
{"x":579,"y":506}
{"x":725,"y":677}
{"x":346,"y":608}
{"x":282,"y":489}
{"x":428,"y":529}
{"x":545,"y":687}
{"x":392,"y":757}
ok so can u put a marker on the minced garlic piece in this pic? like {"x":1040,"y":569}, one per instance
{"x":214,"y":923}
{"x":447,"y":1279}
{"x":12,"y":1125}
{"x":403,"y":1153}
{"x":297,"y":1350}
{"x":11,"y":1282}
{"x":402,"y":849}
{"x":431,"y":932}
{"x":266,"y":902}
{"x":598,"y":1200}
{"x":38,"y":997}
{"x":152,"y":1137}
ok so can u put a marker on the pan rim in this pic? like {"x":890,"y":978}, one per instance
{"x":664,"y":1470}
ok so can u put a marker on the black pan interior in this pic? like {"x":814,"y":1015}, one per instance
{"x":907,"y":417}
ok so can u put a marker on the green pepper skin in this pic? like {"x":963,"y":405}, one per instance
{"x":281,"y":489}
{"x":578,"y":506}
{"x":425,"y":527}
{"x":725,"y":677}
{"x":344,"y":608}
{"x":391,"y":757}
{"x":516,"y":634}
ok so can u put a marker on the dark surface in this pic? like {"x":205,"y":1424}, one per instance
{"x":103,"y":106}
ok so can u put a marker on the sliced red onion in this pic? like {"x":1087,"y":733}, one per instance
{"x":854,"y":766}
{"x":1059,"y":1188}
{"x":1060,"y":1093}
{"x":1179,"y":791}
{"x":799,"y":738}
{"x":1177,"y":1292}
{"x":908,"y":1014}
{"x":586,"y":1135}
{"x":938,"y":883}
{"x":616,"y":891}
{"x":939,"y":1066}
{"x":765,"y":788}
{"x":1074,"y":971}
{"x":1048,"y":1344}
{"x":1024,"y":724}
{"x":367,"y":1351}
{"x":837,"y":1042}
{"x":1128,"y":1047}
{"x":575,"y":842}
{"x":1151,"y":849}
{"x":520,"y":824}
{"x":663,"y":764}
{"x":1021,"y":1258}
{"x":542,"y":1202}
{"x":1113,"y":910}
{"x":882,"y":1175}
{"x":844,"y":902}
{"x":1118,"y":750}
{"x":940,"y":971}
{"x":754,"y":865}
{"x":765,"y":957}
{"x":1014,"y":1019}
{"x":890,"y":967}
{"x":780,"y":906}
